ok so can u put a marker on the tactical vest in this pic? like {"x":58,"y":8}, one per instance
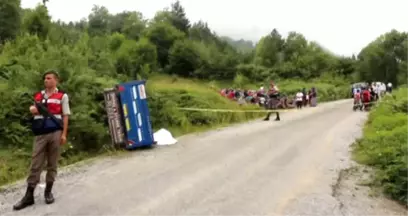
{"x":42,"y":124}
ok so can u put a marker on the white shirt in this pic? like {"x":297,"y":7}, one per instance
{"x":299,"y":96}
{"x":377,"y":89}
{"x":383,"y":88}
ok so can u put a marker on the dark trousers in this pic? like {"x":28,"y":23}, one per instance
{"x":272,"y":104}
{"x":46,"y":147}
{"x":299,"y":104}
{"x":269,"y":114}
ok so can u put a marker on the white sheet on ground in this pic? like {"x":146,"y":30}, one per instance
{"x":164,"y":137}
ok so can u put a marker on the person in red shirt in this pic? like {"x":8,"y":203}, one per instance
{"x":231,"y":94}
{"x":366,"y":98}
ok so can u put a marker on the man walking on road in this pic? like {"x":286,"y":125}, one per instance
{"x":49,"y":135}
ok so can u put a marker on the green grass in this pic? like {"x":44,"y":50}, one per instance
{"x":384,"y":145}
{"x":165,"y":95}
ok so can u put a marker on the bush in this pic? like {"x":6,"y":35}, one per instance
{"x":384,"y":145}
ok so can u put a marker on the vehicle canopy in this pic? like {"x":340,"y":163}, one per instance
{"x":359,"y":85}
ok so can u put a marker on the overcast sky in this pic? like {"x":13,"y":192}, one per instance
{"x":342,"y":26}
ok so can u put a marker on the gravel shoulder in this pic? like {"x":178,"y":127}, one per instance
{"x":263,"y":168}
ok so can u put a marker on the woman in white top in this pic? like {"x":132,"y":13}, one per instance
{"x":299,"y":99}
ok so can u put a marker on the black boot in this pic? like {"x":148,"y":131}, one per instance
{"x":277,"y":117}
{"x":27,"y":200}
{"x":267,"y":117}
{"x":49,"y":197}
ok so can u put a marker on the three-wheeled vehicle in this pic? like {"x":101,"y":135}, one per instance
{"x":128,"y":115}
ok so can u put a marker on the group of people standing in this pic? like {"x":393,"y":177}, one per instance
{"x":244,"y":96}
{"x":272,"y":98}
{"x":365,"y":96}
{"x":304,"y":98}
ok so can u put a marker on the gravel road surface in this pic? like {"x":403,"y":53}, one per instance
{"x":291,"y":167}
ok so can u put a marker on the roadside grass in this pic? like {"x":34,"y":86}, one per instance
{"x":384,"y":145}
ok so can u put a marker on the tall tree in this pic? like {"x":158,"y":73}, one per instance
{"x":10,"y":19}
{"x":133,"y":25}
{"x":180,"y":20}
{"x":37,"y":21}
{"x":384,"y":59}
{"x":99,"y":20}
{"x":269,"y":49}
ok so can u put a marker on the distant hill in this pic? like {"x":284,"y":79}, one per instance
{"x":241,"y":45}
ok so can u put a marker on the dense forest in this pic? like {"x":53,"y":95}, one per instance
{"x":105,"y":49}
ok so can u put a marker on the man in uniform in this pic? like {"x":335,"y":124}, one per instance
{"x":273,"y":101}
{"x":49,"y":135}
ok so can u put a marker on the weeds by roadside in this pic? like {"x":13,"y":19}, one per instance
{"x":384,"y":145}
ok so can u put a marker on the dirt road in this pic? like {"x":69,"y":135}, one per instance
{"x":259,"y":168}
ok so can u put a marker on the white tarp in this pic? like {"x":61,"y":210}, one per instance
{"x":164,"y":137}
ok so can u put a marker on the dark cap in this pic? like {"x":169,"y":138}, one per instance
{"x":51,"y":72}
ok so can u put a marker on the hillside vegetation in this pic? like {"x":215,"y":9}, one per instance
{"x":185,"y":64}
{"x":241,"y":44}
{"x":384,"y":144}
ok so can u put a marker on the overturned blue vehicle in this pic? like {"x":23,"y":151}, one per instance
{"x":128,"y":115}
